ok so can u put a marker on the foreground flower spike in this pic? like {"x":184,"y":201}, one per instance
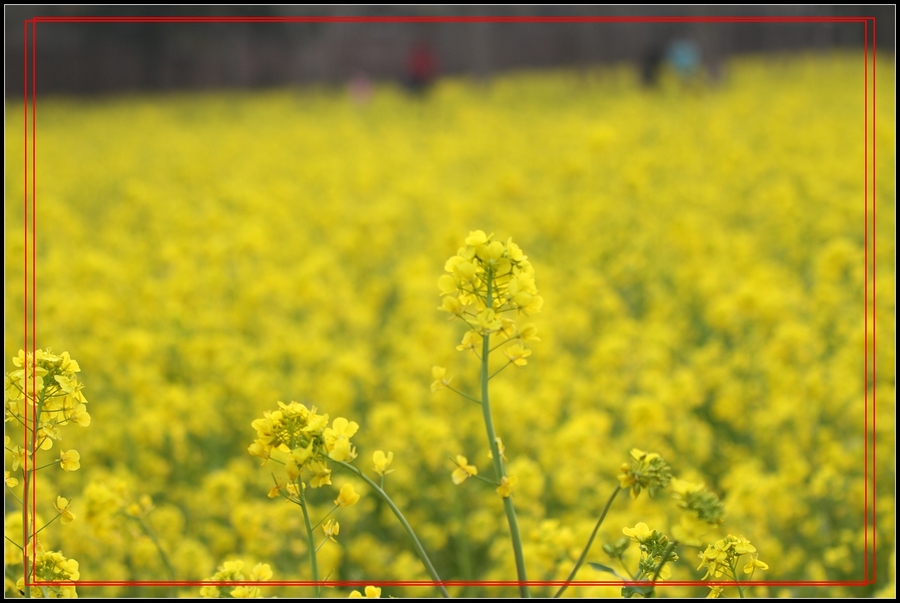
{"x":55,"y":382}
{"x":489,"y":281}
{"x":488,"y":278}
{"x":656,"y":551}
{"x":52,"y":566}
{"x":300,"y":438}
{"x":42,"y":396}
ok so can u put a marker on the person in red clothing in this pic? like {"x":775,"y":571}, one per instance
{"x":421,"y":68}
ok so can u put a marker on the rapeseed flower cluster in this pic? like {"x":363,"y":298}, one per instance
{"x":722,"y":559}
{"x":655,"y":552}
{"x":43,"y":395}
{"x":302,"y":441}
{"x":52,"y":566}
{"x":647,"y":471}
{"x":698,"y":501}
{"x":54,"y":394}
{"x":486,"y":279}
{"x":233,"y":571}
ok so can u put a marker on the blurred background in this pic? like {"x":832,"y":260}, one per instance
{"x":92,"y":58}
{"x":236,"y":214}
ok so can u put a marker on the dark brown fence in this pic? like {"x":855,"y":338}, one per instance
{"x":89,"y":58}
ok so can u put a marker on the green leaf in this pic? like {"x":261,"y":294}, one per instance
{"x":644,"y":591}
{"x":603,"y":568}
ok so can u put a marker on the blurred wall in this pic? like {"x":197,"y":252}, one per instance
{"x":90,"y":58}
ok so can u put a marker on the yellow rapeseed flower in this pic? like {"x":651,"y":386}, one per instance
{"x":506,"y":486}
{"x":639,"y":533}
{"x":70,"y":460}
{"x":372,"y":592}
{"x":331,"y":529}
{"x":62,"y":507}
{"x":347,"y":496}
{"x":463,"y":470}
{"x":382,"y":461}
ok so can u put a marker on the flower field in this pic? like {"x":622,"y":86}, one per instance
{"x":700,"y":251}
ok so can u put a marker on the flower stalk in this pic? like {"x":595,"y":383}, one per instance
{"x":43,"y":395}
{"x":420,"y":551}
{"x":487,"y":280}
{"x":508,"y":506}
{"x":587,"y":547}
{"x":311,"y":545}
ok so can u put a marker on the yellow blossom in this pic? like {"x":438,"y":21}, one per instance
{"x":476,"y":238}
{"x":62,"y":507}
{"x":372,"y":592}
{"x":639,"y":533}
{"x":470,"y":340}
{"x":463,"y":470}
{"x":337,"y":439}
{"x":347,"y":496}
{"x":437,"y":373}
{"x":517,"y":354}
{"x":70,"y":460}
{"x":261,"y":572}
{"x":506,"y":486}
{"x":332,"y":529}
{"x":755,"y":563}
{"x":382,"y":461}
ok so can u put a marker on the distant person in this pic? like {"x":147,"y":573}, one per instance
{"x":422,"y":67}
{"x":360,"y":88}
{"x":684,"y":57}
{"x":651,"y":63}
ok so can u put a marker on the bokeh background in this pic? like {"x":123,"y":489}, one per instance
{"x":230,"y":215}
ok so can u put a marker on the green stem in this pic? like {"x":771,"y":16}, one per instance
{"x":737,"y":582}
{"x":418,"y":545}
{"x":506,"y":341}
{"x":58,"y":515}
{"x":590,"y":541}
{"x":500,"y":370}
{"x":27,"y":476}
{"x":463,"y":551}
{"x":13,"y":494}
{"x":466,"y":396}
{"x":56,"y":462}
{"x":327,"y":515}
{"x":495,"y":452}
{"x":162,"y":554}
{"x":10,"y":540}
{"x":313,"y":558}
{"x":665,"y":559}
